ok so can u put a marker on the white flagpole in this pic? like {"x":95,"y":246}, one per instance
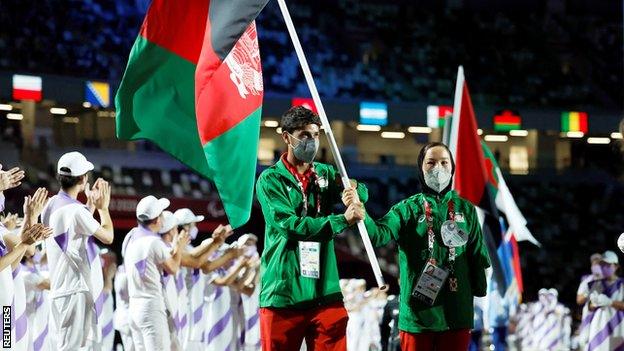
{"x":330,"y":137}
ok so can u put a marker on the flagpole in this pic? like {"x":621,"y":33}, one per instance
{"x":459,"y":89}
{"x":330,"y":137}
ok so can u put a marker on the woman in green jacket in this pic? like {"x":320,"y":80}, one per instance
{"x":442,"y":257}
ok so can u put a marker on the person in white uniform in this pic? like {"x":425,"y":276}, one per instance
{"x":176,"y":297}
{"x":195,"y":280}
{"x":13,"y":246}
{"x":146,"y":256}
{"x":606,"y":329}
{"x":76,"y":276}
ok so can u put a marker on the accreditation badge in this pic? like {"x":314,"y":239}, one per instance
{"x":309,"y":259}
{"x":452,"y":235}
{"x":430,"y":283}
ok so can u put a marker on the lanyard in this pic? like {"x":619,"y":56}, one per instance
{"x":305,"y":196}
{"x":431,"y":234}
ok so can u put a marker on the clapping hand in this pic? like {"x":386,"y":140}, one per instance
{"x":222,"y":232}
{"x":33,"y":205}
{"x":35,"y":233}
{"x":11,"y":178}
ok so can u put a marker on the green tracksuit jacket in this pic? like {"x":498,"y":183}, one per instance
{"x":282,"y":203}
{"x":406,"y":224}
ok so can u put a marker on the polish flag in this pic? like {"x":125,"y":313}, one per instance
{"x":26,"y":87}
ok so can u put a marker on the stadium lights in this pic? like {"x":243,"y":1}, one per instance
{"x":86,"y":104}
{"x":271,"y":124}
{"x":596,"y":140}
{"x":575,"y":134}
{"x":420,"y":130}
{"x":519,"y":133}
{"x":496,"y":138}
{"x":393,"y":135}
{"x":6,"y":107}
{"x":480,"y":131}
{"x":616,"y":135}
{"x":368,"y":128}
{"x":72,"y":120}
{"x":58,"y":111}
{"x":15,"y":116}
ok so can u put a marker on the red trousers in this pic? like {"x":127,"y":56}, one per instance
{"x":324,"y":328}
{"x":451,"y":340}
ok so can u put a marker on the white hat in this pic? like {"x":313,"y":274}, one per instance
{"x":186,"y":216}
{"x":73,"y":164}
{"x":150,"y":207}
{"x":610,"y":257}
{"x":169,"y":222}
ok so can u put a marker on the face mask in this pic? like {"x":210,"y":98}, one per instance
{"x":306,"y":150}
{"x":438,"y":178}
{"x":193,"y":233}
{"x":595,"y":269}
{"x":607,"y":270}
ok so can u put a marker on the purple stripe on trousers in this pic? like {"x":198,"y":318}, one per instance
{"x":21,"y":326}
{"x":220,"y":326}
{"x":253,"y":320}
{"x":38,"y":343}
{"x":587,"y":320}
{"x":606,"y":331}
{"x":197,"y":315}
{"x":108,"y":328}
{"x":99,"y":303}
{"x":183,"y":322}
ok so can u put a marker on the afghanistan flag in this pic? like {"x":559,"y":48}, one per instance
{"x":193,"y":86}
{"x":472,"y":177}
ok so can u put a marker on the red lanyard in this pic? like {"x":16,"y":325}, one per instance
{"x":431,"y":234}
{"x":317,"y":197}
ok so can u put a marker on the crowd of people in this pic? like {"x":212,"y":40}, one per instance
{"x":380,"y":50}
{"x":168,"y":295}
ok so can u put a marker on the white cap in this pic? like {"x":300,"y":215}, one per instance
{"x":543,"y":291}
{"x":553,"y":292}
{"x":169,"y":222}
{"x":186,"y":216}
{"x":150,"y":207}
{"x":73,"y":164}
{"x":610,"y":257}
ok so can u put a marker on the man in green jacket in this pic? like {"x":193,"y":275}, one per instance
{"x":300,"y":296}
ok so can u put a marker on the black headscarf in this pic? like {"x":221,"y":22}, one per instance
{"x":421,"y":175}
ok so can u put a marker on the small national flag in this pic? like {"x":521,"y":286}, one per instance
{"x":305,"y":102}
{"x":574,"y":121}
{"x":194,"y":86}
{"x":97,"y":93}
{"x":374,"y":113}
{"x":26,"y":87}
{"x":437,"y":114}
{"x":507,"y":120}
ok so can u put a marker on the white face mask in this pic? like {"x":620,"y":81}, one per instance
{"x":438,"y":178}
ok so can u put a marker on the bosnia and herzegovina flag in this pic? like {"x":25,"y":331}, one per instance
{"x":193,"y":86}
